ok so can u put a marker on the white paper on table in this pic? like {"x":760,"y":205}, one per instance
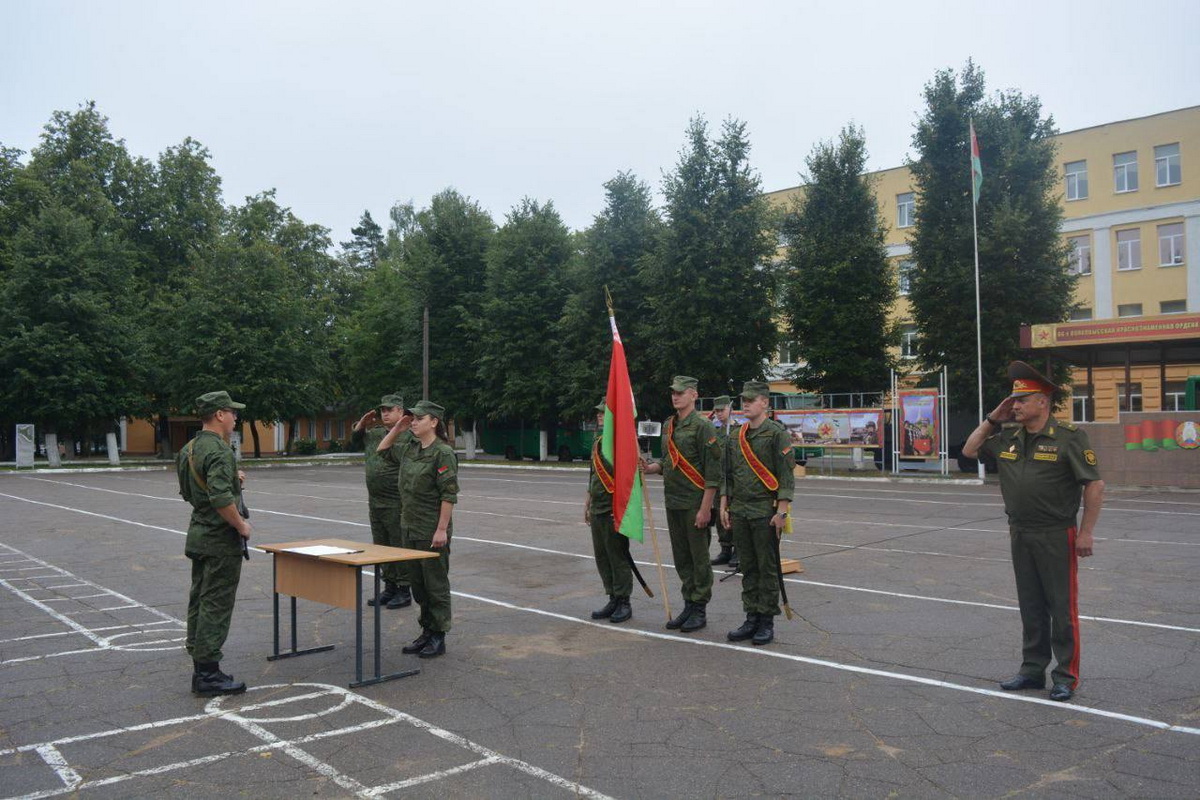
{"x":321,"y":550}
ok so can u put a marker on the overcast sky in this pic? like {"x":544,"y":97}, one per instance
{"x":345,"y":106}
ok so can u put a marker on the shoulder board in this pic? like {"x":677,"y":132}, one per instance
{"x":1068,"y":426}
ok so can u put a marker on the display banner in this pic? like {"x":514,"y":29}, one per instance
{"x":829,"y":427}
{"x":26,"y":446}
{"x":919,"y":427}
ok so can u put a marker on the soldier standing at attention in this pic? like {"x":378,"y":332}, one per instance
{"x":691,"y":470}
{"x":383,"y":496}
{"x":755,"y":502}
{"x":1045,"y":467}
{"x":428,"y":491}
{"x":210,"y":481}
{"x":721,"y":416}
{"x":611,"y":548}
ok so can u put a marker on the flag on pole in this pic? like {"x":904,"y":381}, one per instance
{"x":976,"y":166}
{"x":619,"y":443}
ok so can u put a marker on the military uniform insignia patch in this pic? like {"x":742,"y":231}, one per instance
{"x":1090,"y":457}
{"x":442,"y":469}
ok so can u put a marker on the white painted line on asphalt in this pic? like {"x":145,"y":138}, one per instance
{"x":988,"y":505}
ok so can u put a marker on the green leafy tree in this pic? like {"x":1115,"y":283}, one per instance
{"x":839,"y":286}
{"x":1023,"y":266}
{"x":379,"y":339}
{"x":710,"y":287}
{"x":612,"y":251}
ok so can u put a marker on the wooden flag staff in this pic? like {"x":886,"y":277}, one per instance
{"x":662,"y":578}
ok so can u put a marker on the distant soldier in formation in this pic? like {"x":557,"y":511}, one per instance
{"x":755,"y":502}
{"x":691,"y":470}
{"x":722,"y":417}
{"x":383,"y":495}
{"x":610,"y":547}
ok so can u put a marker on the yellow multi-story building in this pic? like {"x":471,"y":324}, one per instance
{"x":1130,"y":192}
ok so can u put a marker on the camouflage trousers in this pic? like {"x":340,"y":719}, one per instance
{"x":210,"y":604}
{"x":385,"y":530}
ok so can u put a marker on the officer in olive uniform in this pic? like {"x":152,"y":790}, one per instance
{"x":722,"y":420}
{"x":691,"y":470}
{"x":428,"y":491}
{"x":1045,"y":467}
{"x":611,"y":548}
{"x":383,"y":496}
{"x":210,"y":481}
{"x":755,"y":502}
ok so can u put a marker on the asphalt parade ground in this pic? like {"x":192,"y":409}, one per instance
{"x":884,"y":685}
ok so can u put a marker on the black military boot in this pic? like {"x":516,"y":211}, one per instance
{"x":385,"y":597}
{"x":745,"y":631}
{"x":402,"y":598}
{"x":622,"y":612}
{"x":435,"y":647}
{"x":678,"y":621}
{"x":418,"y":644}
{"x":209,"y":681}
{"x":607,"y":610}
{"x":724,"y":556}
{"x":734,"y":564}
{"x":765,"y":634}
{"x":697,"y":620}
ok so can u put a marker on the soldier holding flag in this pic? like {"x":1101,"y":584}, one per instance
{"x":611,"y":548}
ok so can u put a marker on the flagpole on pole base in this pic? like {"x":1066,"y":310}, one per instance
{"x":662,"y":577}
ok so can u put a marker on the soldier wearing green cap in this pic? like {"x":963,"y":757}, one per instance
{"x":610,"y":547}
{"x":428,"y":490}
{"x":755,"y":502}
{"x":691,"y":470}
{"x":383,"y":495}
{"x":210,"y":481}
{"x":721,"y":416}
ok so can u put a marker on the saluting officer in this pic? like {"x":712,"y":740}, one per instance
{"x":210,"y":481}
{"x":1045,"y":467}
{"x":610,"y":547}
{"x":721,"y":418}
{"x":691,"y":470}
{"x":383,"y":495}
{"x":755,"y":502}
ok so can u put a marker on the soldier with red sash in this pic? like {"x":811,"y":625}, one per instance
{"x":723,"y":422}
{"x":755,"y":502}
{"x":611,"y":548}
{"x":691,"y":470}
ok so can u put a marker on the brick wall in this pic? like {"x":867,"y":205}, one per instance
{"x":1120,"y":466}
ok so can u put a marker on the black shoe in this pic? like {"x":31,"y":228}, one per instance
{"x":435,"y":647}
{"x":622,"y":612}
{"x":402,"y":598}
{"x":1061,"y":692}
{"x":765,"y":633}
{"x":1023,"y":682}
{"x":723,"y":557}
{"x":607,"y":610}
{"x":209,"y":681}
{"x":385,"y":597}
{"x":677,"y":623}
{"x":697,"y":620}
{"x":745,"y":631}
{"x":734,"y":564}
{"x":418,"y":644}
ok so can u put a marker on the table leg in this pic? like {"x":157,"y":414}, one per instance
{"x":358,"y":625}
{"x":294,"y":651}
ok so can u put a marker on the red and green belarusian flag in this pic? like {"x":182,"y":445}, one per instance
{"x":976,"y":166}
{"x":619,"y":443}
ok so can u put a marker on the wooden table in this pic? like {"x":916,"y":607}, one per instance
{"x":334,"y":580}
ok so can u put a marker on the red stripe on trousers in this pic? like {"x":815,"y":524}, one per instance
{"x":1073,"y":593}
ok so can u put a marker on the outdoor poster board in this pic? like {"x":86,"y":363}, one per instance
{"x":829,"y":427}
{"x":919,"y":426}
{"x":25,"y":445}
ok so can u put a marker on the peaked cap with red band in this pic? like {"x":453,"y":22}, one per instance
{"x":1027,"y":380}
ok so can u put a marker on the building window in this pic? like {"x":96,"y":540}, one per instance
{"x":312,"y":429}
{"x":906,"y":273}
{"x":1172,"y":307}
{"x":327,"y":429}
{"x":785,"y":354}
{"x":1129,"y":310}
{"x":908,"y":341}
{"x":1167,"y":170}
{"x":1081,"y":254}
{"x":1080,"y":314}
{"x":1077,"y":184}
{"x":1125,"y":177}
{"x":1129,"y":249}
{"x":1081,"y":406}
{"x":906,"y":209}
{"x":341,"y":429}
{"x":1174,"y":396}
{"x":1170,"y":244}
{"x":1132,"y":402}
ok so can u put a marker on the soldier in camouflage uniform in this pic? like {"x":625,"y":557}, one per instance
{"x":383,"y":496}
{"x":610,"y":547}
{"x":210,"y":481}
{"x":722,"y":417}
{"x":1046,"y":466}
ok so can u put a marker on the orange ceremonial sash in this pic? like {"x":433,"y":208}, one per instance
{"x":606,"y":478}
{"x":757,"y":467}
{"x":678,"y":461}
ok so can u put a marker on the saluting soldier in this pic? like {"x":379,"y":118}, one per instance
{"x":721,"y":417}
{"x":610,"y":547}
{"x":755,"y":502}
{"x":428,"y":491}
{"x":383,"y":495}
{"x":691,"y":470}
{"x":211,"y":482}
{"x":1046,"y":466}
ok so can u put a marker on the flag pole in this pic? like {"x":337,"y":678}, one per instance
{"x":662,"y":577}
{"x":978,"y":314}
